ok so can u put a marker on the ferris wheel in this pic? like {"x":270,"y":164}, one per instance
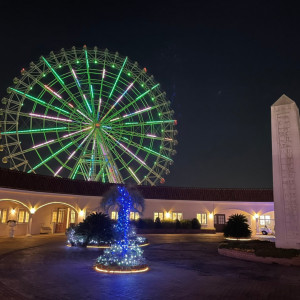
{"x":88,"y":114}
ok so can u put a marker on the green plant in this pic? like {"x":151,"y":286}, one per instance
{"x":260,"y":248}
{"x":96,"y":228}
{"x":196,"y":224}
{"x":186,"y":224}
{"x":110,"y":200}
{"x":177,"y":224}
{"x":158,"y":223}
{"x":237,"y":227}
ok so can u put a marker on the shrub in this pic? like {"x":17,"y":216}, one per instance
{"x":196,"y":224}
{"x":186,"y":224}
{"x":237,"y":227}
{"x":168,"y":224}
{"x":144,"y":223}
{"x":177,"y":224}
{"x":158,"y":223}
{"x":96,"y":228}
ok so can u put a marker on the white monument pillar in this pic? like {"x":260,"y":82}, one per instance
{"x":286,"y":172}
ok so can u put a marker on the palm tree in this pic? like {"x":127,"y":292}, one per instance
{"x":124,"y":200}
{"x":111,"y":200}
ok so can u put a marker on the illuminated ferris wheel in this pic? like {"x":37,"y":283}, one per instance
{"x":88,"y":114}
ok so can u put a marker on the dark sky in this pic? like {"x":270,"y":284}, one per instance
{"x":222,"y":64}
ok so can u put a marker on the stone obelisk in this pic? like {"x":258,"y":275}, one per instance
{"x":286,"y":172}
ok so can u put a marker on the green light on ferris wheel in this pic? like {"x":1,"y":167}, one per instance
{"x":39,"y":101}
{"x":158,"y":154}
{"x":35,"y":130}
{"x":96,"y":131}
{"x":53,"y":71}
{"x":117,"y":78}
{"x":51,"y":156}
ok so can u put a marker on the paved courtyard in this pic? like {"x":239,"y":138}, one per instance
{"x":182,"y":267}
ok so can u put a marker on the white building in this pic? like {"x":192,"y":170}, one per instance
{"x":42,"y":203}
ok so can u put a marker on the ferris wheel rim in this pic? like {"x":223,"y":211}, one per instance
{"x":111,"y":120}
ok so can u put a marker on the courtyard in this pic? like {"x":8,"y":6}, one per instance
{"x":181,"y":267}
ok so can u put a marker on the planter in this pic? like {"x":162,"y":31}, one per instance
{"x":243,"y":255}
{"x":174,"y":231}
{"x":121,"y":270}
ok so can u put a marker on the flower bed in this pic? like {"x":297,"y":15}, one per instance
{"x":174,"y":231}
{"x":121,"y":270}
{"x":260,"y":248}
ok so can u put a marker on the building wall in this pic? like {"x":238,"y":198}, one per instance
{"x":42,"y":205}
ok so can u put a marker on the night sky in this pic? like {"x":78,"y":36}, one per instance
{"x":222,"y":64}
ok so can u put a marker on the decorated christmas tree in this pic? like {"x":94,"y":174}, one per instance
{"x":124,"y":256}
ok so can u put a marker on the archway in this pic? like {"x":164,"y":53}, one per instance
{"x":221,"y":216}
{"x":12,"y":209}
{"x":54,"y":217}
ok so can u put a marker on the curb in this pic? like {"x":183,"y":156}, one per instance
{"x":252,"y":257}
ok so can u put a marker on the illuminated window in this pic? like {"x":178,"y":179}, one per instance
{"x":202,"y":218}
{"x":177,"y":216}
{"x":54,"y":217}
{"x":72,"y":217}
{"x":60,"y":216}
{"x":159,"y":215}
{"x":21,"y":216}
{"x":114,"y":215}
{"x":26,"y":217}
{"x":134,"y":215}
{"x":264,"y":220}
{"x":3,"y":215}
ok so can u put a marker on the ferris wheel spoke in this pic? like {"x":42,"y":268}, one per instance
{"x":151,"y":136}
{"x":71,"y":155}
{"x":41,"y":102}
{"x":137,"y":112}
{"x":60,"y":81}
{"x":73,"y":72}
{"x":30,"y":131}
{"x":140,"y":124}
{"x":89,"y":79}
{"x":100,"y":95}
{"x":117,"y":155}
{"x":117,"y":101}
{"x":54,"y":155}
{"x":87,"y":109}
{"x":143,"y":165}
{"x":117,"y":79}
{"x":121,"y":146}
{"x":132,"y":102}
{"x":86,"y":141}
{"x":112,"y":170}
{"x":147,"y":149}
{"x":47,"y":143}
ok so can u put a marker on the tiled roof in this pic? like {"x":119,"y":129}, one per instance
{"x":41,"y":183}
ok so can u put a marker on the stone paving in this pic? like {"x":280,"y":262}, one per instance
{"x":182,"y":267}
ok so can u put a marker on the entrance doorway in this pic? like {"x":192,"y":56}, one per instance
{"x":61,"y":222}
{"x":219,"y":222}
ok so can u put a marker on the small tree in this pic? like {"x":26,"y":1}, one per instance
{"x":195,"y":224}
{"x":95,"y":229}
{"x":158,"y":223}
{"x":237,"y":227}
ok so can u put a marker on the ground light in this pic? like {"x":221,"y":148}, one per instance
{"x":124,"y":256}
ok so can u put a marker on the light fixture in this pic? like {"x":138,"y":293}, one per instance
{"x":32,"y":210}
{"x":81,"y":213}
{"x":13,"y":211}
{"x":255,"y":216}
{"x":211,"y":215}
{"x":167,"y":215}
